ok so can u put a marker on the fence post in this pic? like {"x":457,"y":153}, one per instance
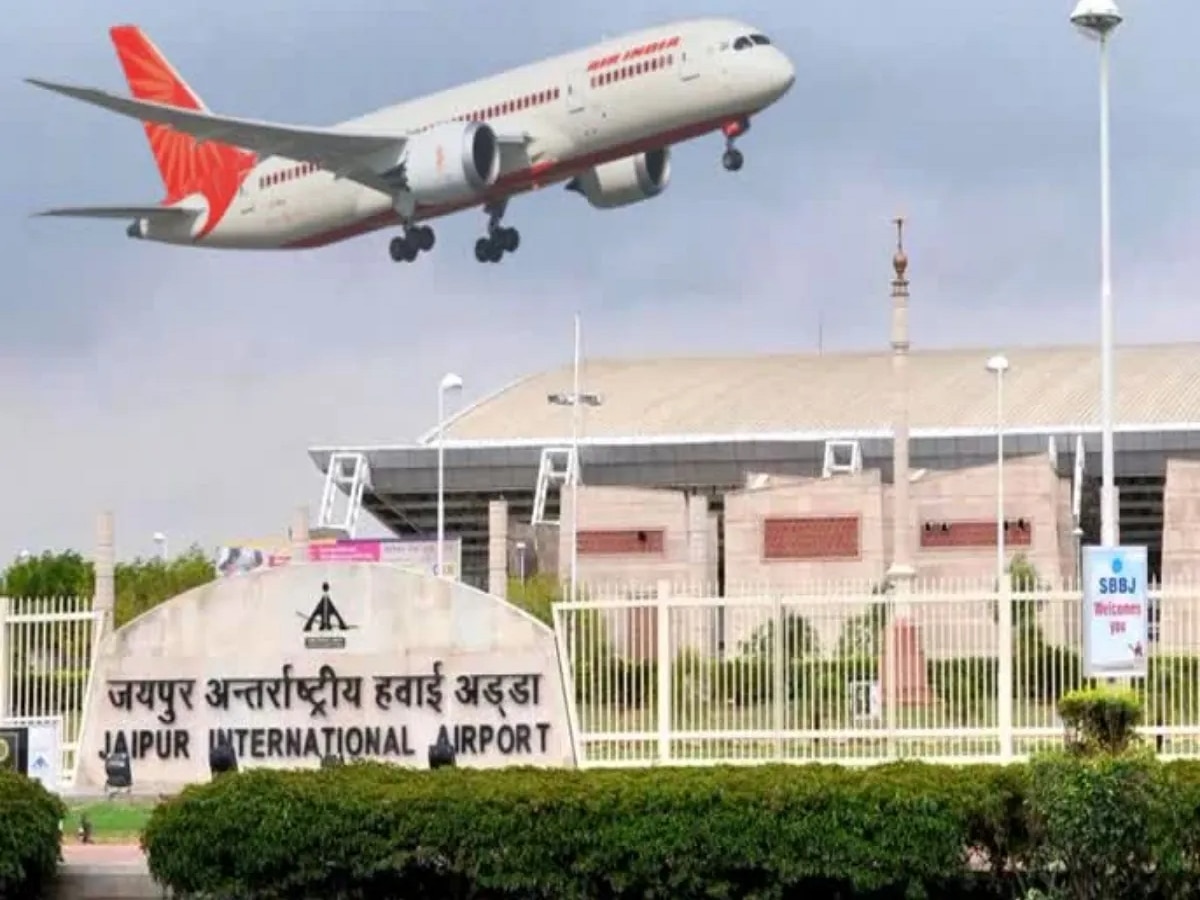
{"x":779,"y":686}
{"x":104,"y":600}
{"x":662,"y":632}
{"x":1004,"y":670}
{"x":5,"y":657}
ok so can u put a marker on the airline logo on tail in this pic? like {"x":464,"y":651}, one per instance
{"x":187,"y":165}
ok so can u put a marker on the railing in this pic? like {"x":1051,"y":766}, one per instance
{"x":47,"y":646}
{"x":942,"y":672}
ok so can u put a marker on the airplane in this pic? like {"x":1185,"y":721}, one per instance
{"x":601,"y":119}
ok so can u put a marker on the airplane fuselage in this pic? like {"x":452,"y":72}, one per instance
{"x":577,"y":120}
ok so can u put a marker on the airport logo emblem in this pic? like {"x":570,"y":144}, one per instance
{"x":324,"y":627}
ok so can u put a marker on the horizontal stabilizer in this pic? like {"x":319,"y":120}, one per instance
{"x":162,"y":214}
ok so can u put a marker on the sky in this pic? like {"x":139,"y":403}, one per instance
{"x":181,"y":388}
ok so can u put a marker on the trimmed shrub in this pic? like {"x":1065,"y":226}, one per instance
{"x":1108,"y":826}
{"x":1101,"y":720}
{"x":768,"y":832}
{"x":29,"y":836}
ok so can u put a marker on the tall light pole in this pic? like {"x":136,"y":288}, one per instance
{"x":450,"y":383}
{"x":998,"y":365}
{"x":1098,"y":19}
{"x":576,"y":400}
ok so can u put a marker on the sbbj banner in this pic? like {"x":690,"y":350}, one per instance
{"x":1115,"y":606}
{"x":14,"y":749}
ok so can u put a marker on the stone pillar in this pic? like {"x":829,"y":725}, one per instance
{"x":498,"y":548}
{"x":104,"y":600}
{"x":299,"y":536}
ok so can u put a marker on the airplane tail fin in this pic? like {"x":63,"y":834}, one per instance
{"x":186,"y":165}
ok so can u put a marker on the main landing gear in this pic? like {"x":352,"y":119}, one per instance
{"x":499,"y":240}
{"x":732,"y":158}
{"x":416,"y":240}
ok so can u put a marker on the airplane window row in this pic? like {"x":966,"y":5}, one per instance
{"x":287,"y":174}
{"x":633,"y":70}
{"x":529,"y":101}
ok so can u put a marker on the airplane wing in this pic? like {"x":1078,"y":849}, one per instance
{"x":345,"y":153}
{"x":163,"y":214}
{"x":342,"y":152}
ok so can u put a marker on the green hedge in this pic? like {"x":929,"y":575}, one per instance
{"x":29,"y":836}
{"x":768,"y":832}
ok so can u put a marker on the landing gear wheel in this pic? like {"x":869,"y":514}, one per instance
{"x":402,"y":250}
{"x":508,"y":239}
{"x":483,"y":250}
{"x":732,"y":160}
{"x":424,"y":238}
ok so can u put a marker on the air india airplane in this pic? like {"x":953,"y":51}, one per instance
{"x":602,"y":120}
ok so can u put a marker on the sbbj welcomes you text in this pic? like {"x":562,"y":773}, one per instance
{"x":323,"y":696}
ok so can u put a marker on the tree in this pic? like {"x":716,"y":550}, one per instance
{"x":141,"y":584}
{"x":536,"y":595}
{"x":64,"y":574}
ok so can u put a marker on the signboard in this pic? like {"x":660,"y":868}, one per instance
{"x":353,"y":660}
{"x":14,"y":752}
{"x":1115,"y":612}
{"x":40,"y":750}
{"x":419,"y":554}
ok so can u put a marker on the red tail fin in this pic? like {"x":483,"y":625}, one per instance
{"x":186,"y":165}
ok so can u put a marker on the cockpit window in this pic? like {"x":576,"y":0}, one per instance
{"x":760,"y":39}
{"x":743,"y":43}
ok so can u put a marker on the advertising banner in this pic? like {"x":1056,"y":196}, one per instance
{"x":1115,"y":612}
{"x":419,"y":554}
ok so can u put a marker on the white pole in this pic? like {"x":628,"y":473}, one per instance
{"x":1108,"y":510}
{"x":1000,"y":535}
{"x":441,"y":478}
{"x":576,"y":402}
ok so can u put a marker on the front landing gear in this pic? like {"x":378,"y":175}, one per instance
{"x":416,"y":240}
{"x":732,"y":158}
{"x":499,"y":239}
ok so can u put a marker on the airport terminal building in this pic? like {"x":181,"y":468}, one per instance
{"x":740,"y":470}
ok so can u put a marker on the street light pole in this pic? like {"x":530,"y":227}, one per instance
{"x":450,"y":382}
{"x":998,"y":365}
{"x":576,"y":400}
{"x":575,"y":411}
{"x":1097,"y":19}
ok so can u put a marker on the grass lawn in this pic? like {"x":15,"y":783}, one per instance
{"x":117,"y":821}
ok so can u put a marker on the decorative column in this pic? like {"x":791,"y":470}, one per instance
{"x":903,"y":665}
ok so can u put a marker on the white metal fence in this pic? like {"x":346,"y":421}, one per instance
{"x":47,"y":646}
{"x":943,"y":672}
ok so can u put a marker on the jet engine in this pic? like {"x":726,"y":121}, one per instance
{"x":625,"y":181}
{"x":449,"y":163}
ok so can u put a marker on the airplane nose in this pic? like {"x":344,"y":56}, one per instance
{"x":787,"y":74}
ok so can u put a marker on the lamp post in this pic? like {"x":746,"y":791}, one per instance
{"x":449,"y":384}
{"x":1098,"y":19}
{"x":998,"y":365}
{"x":577,"y":399}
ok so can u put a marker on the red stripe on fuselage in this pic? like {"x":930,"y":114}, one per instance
{"x":516,"y":183}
